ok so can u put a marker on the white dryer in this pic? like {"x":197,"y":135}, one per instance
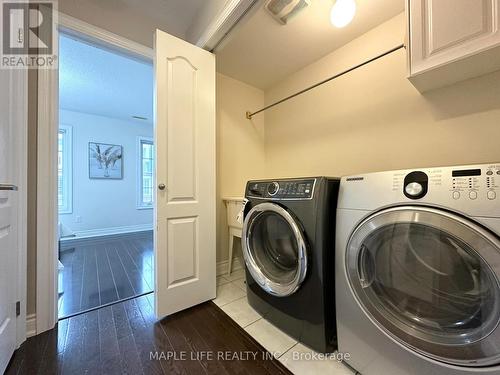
{"x":418,"y":271}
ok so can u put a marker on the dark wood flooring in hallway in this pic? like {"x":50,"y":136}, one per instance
{"x":119,"y":339}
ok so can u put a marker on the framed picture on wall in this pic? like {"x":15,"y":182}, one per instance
{"x":105,"y":161}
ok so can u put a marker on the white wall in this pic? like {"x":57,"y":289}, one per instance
{"x":104,"y":204}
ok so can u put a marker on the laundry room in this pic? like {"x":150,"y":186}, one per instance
{"x":355,"y":110}
{"x":305,"y":187}
{"x":370,"y":119}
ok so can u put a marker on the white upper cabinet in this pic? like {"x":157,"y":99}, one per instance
{"x":452,"y":40}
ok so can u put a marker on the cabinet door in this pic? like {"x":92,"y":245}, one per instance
{"x":443,"y":32}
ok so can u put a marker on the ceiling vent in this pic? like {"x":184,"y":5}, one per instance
{"x":283,"y":10}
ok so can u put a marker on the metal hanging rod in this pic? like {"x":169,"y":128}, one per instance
{"x":249,"y":114}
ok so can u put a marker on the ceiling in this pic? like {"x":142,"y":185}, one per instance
{"x":178,"y":15}
{"x":96,"y":81}
{"x":137,"y":18}
{"x":262,"y":52}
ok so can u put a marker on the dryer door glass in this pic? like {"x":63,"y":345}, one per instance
{"x":429,"y":278}
{"x":274,"y":249}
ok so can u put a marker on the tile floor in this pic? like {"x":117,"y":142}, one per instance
{"x":231,"y":298}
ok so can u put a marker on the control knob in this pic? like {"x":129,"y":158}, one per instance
{"x":273,"y":188}
{"x":415,"y":185}
{"x":414,"y":189}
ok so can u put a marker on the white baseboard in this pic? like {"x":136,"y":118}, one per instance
{"x":109,"y":231}
{"x":222,"y":266}
{"x":30,"y":325}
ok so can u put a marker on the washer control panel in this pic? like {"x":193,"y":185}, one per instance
{"x":281,"y":189}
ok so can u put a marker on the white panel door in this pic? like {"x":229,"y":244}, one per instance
{"x":8,"y":216}
{"x":185,"y":174}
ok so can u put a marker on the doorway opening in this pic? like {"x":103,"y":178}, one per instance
{"x":105,"y":176}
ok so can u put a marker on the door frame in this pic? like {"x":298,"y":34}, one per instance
{"x":48,"y":114}
{"x":46,"y":241}
{"x":21,"y":180}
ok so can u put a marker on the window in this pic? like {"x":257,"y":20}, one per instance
{"x":64,"y":173}
{"x":146,"y":170}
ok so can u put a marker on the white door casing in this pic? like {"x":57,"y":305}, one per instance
{"x":185,"y":163}
{"x":47,"y":125}
{"x":12,"y":174}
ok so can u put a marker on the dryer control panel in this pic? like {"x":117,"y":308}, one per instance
{"x":472,"y":183}
{"x":471,"y":189}
{"x":469,"y":183}
{"x":293,"y":189}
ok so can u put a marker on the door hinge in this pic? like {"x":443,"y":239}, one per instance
{"x":18,"y":308}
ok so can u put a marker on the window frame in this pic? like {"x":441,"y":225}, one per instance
{"x":67,"y":154}
{"x":139,"y":159}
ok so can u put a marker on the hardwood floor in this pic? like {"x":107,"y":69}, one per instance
{"x":120,"y":338}
{"x":103,"y":270}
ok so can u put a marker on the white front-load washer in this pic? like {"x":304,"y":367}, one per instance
{"x":418,"y":271}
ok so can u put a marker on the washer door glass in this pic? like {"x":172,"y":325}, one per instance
{"x":274,"y":249}
{"x":428,"y":278}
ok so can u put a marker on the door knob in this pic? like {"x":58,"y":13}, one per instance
{"x":161,"y":186}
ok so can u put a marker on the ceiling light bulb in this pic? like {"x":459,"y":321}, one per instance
{"x":342,"y":12}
